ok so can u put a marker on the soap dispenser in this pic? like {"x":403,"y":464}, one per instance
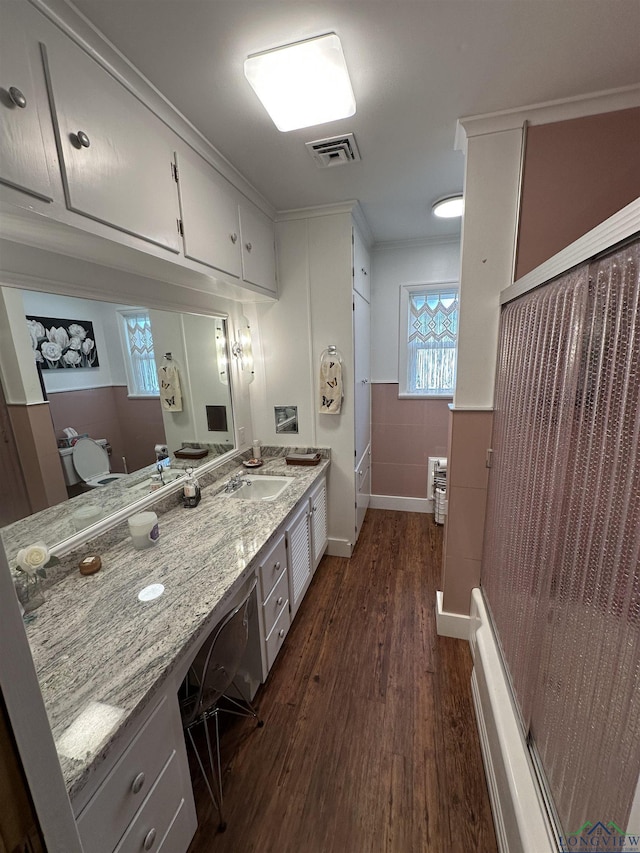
{"x":191,"y":490}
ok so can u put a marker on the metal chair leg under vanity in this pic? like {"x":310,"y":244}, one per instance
{"x":213,"y":673}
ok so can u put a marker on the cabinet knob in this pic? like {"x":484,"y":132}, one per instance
{"x":248,"y":247}
{"x":280,"y":600}
{"x":17,"y":97}
{"x":83,"y":139}
{"x":281,"y":633}
{"x":276,"y":565}
{"x":149,"y":838}
{"x":233,"y":238}
{"x":138,"y":782}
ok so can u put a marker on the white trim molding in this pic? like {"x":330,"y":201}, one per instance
{"x":547,"y":112}
{"x":339,"y":548}
{"x":451,"y":624}
{"x":401,"y":504}
{"x":622,"y":225}
{"x":519,"y":815}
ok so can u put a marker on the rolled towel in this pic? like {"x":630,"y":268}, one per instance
{"x":170,"y":393}
{"x":330,"y":385}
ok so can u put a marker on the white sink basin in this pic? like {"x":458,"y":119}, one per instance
{"x":260,"y":487}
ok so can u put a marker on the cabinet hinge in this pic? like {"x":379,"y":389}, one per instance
{"x":489,"y":457}
{"x":174,"y":172}
{"x":180,"y":227}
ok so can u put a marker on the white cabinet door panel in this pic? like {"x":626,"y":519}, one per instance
{"x":319,"y":522}
{"x":363,"y":489}
{"x":362,"y":358}
{"x":116,"y":156}
{"x":298,"y":535}
{"x":361,"y":267}
{"x":210,"y":220}
{"x":23,"y":159}
{"x":258,"y":249}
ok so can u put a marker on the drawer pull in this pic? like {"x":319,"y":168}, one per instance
{"x":276,"y":565}
{"x":83,"y":139}
{"x":279,"y":601}
{"x":149,"y":838}
{"x":248,"y":247}
{"x":281,"y":633}
{"x":233,"y":238}
{"x":138,"y":782}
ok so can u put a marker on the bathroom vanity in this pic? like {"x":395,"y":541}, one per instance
{"x":110,"y":665}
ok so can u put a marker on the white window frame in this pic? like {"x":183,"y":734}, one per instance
{"x":133,"y":390}
{"x":403,"y":337}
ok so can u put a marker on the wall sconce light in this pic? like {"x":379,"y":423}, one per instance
{"x":449,"y":207}
{"x":302,"y":84}
{"x":242,"y":348}
{"x":221,"y":353}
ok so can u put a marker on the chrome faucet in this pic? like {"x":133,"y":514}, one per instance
{"x":235,"y":483}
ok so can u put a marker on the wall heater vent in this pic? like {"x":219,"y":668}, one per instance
{"x":336,"y":151}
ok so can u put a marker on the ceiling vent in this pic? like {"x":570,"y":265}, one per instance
{"x":335,"y":151}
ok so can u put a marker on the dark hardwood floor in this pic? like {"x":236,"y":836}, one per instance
{"x":369,"y":742}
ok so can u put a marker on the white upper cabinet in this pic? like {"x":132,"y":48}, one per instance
{"x":258,"y":248}
{"x":116,"y":156}
{"x":210,"y":218}
{"x":361,"y":267}
{"x":23,"y":159}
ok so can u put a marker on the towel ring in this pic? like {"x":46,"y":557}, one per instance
{"x":331,"y":352}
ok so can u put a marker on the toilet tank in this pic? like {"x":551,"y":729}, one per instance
{"x":66,"y":457}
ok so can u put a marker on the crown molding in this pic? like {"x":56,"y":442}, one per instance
{"x":547,"y":112}
{"x":319,"y":210}
{"x":417,"y":242}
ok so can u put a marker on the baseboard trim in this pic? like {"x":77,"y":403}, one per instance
{"x":339,"y":548}
{"x":451,"y":624}
{"x":399,"y":503}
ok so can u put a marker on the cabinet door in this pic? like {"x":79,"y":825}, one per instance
{"x":361,"y":267}
{"x":116,"y":156}
{"x":23,"y":160}
{"x":298,"y":535}
{"x":318,"y":522}
{"x":363,"y":489}
{"x":258,"y":249}
{"x":362,"y":390}
{"x":210,"y":221}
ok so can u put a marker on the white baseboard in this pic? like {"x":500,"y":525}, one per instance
{"x":400,"y":503}
{"x":450,"y":624}
{"x":519,"y":815}
{"x":339,"y":548}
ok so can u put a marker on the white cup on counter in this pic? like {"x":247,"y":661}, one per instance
{"x":144,"y":531}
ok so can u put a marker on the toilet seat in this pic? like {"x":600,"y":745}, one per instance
{"x":91,"y":462}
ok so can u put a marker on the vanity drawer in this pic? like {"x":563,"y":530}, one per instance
{"x":277,"y":602}
{"x":108,"y":813}
{"x":273,"y":567}
{"x":277,"y":635}
{"x":151,"y":824}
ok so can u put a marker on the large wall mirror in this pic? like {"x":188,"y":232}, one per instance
{"x":97,"y":364}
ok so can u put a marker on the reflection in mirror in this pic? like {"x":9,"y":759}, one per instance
{"x":114,"y":398}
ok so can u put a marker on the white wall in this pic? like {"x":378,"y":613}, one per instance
{"x":314,"y":310}
{"x":394,"y":266}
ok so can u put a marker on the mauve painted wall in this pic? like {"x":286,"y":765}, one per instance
{"x":404,"y":433}
{"x":577,"y":173}
{"x":132,"y":426}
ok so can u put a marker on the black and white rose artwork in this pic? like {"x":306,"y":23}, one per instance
{"x":62,"y":343}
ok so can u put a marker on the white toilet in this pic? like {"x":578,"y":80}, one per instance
{"x":88,"y":461}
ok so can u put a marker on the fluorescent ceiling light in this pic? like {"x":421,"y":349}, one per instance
{"x":449,"y":207}
{"x":303,"y":84}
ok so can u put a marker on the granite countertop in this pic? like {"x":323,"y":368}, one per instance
{"x":100,"y":653}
